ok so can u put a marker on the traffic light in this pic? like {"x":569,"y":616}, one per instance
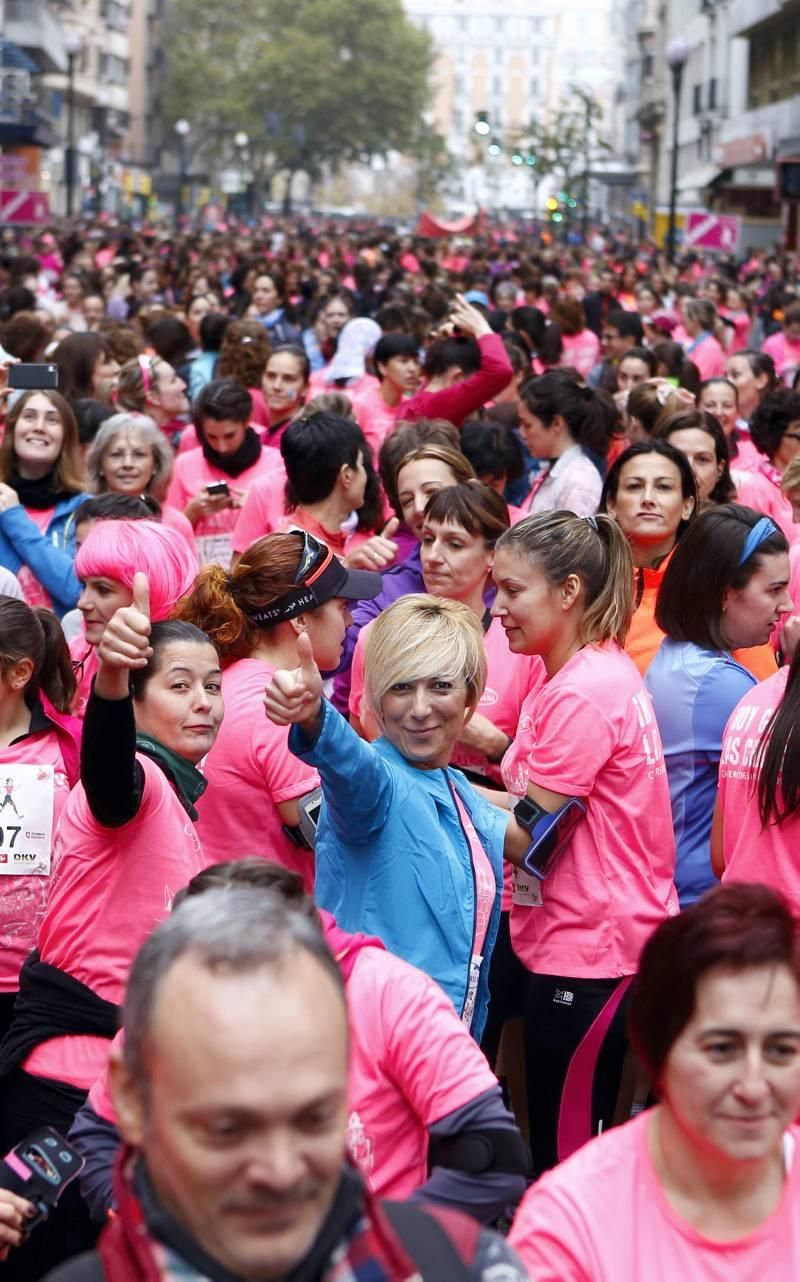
{"x":552,"y":204}
{"x":482,"y":125}
{"x":530,"y":159}
{"x":517,"y":158}
{"x":495,"y":149}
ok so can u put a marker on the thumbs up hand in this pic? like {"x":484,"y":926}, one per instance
{"x":125,"y":643}
{"x":378,"y":552}
{"x":294,"y":696}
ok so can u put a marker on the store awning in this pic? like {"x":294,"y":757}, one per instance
{"x":700,"y":178}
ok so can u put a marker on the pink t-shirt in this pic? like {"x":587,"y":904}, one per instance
{"x":581,"y":350}
{"x":602,"y":1216}
{"x":250,"y":769}
{"x":707,"y":355}
{"x":23,"y":899}
{"x":761,"y":490}
{"x":174,"y":519}
{"x":412,"y":1061}
{"x":263,"y":509}
{"x":32,"y":591}
{"x":213,"y":533}
{"x":591,"y":732}
{"x":785,"y":354}
{"x":375,"y":418}
{"x":110,"y":888}
{"x":751,"y":852}
{"x":748,"y":458}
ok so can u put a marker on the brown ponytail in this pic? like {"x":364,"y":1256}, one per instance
{"x":36,"y":635}
{"x":219,"y":602}
{"x":595,"y":549}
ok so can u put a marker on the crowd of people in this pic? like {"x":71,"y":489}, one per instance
{"x":399,"y":758}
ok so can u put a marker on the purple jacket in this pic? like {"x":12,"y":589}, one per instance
{"x":399,"y":580}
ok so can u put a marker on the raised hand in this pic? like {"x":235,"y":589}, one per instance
{"x":125,"y":643}
{"x":377,"y":552}
{"x":468,"y":319}
{"x":295,"y":695}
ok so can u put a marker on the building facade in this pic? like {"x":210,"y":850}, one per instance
{"x":514,"y":60}
{"x":74,"y":52}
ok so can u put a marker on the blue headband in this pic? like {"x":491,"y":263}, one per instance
{"x":761,"y":531}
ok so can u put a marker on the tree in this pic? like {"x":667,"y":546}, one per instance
{"x":313,"y":83}
{"x":569,"y":143}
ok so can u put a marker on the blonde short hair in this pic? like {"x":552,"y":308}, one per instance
{"x":421,"y":637}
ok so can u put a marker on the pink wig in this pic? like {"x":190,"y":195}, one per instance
{"x":117,"y":549}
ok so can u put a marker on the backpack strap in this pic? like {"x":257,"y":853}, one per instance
{"x":441,"y":1243}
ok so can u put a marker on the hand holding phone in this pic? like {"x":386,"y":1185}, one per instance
{"x":38,"y":1169}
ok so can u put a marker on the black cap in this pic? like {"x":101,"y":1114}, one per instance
{"x":322,"y":577}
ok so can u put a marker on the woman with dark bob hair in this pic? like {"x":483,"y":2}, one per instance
{"x":725,"y":589}
{"x":707,"y":1183}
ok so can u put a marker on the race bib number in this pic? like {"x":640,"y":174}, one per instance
{"x":27,"y":795}
{"x":472,"y":989}
{"x":216,"y":549}
{"x":526,"y":890}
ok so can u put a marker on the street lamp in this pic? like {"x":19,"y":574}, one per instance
{"x":182,"y":128}
{"x":73,"y":43}
{"x":242,"y":142}
{"x":677,"y":56}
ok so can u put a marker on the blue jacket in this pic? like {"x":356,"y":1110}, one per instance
{"x":392,"y":858}
{"x":50,"y":556}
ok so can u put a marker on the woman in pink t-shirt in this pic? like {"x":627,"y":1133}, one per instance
{"x":107,"y":561}
{"x":125,"y":844}
{"x":39,"y":746}
{"x":784,"y":347}
{"x":699,"y":318}
{"x":149,"y":385}
{"x":756,"y":833}
{"x":211,"y":483}
{"x":705,"y":1187}
{"x":129,"y":455}
{"x":565,"y":592}
{"x":579,"y":346}
{"x":376,"y":407}
{"x":255,"y":783}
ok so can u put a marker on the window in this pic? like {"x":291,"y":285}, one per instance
{"x":647,"y":66}
{"x":774,"y":64}
{"x":712,"y":93}
{"x":697,"y":99}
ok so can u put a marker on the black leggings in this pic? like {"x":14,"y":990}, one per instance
{"x":29,"y":1102}
{"x":559,"y":1012}
{"x":508,"y":981}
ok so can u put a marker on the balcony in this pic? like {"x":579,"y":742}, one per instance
{"x":31,"y":25}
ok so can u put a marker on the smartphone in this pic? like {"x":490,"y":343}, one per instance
{"x":32,"y":377}
{"x":550,"y":837}
{"x":39,"y":1168}
{"x":309,"y":807}
{"x":216,"y":488}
